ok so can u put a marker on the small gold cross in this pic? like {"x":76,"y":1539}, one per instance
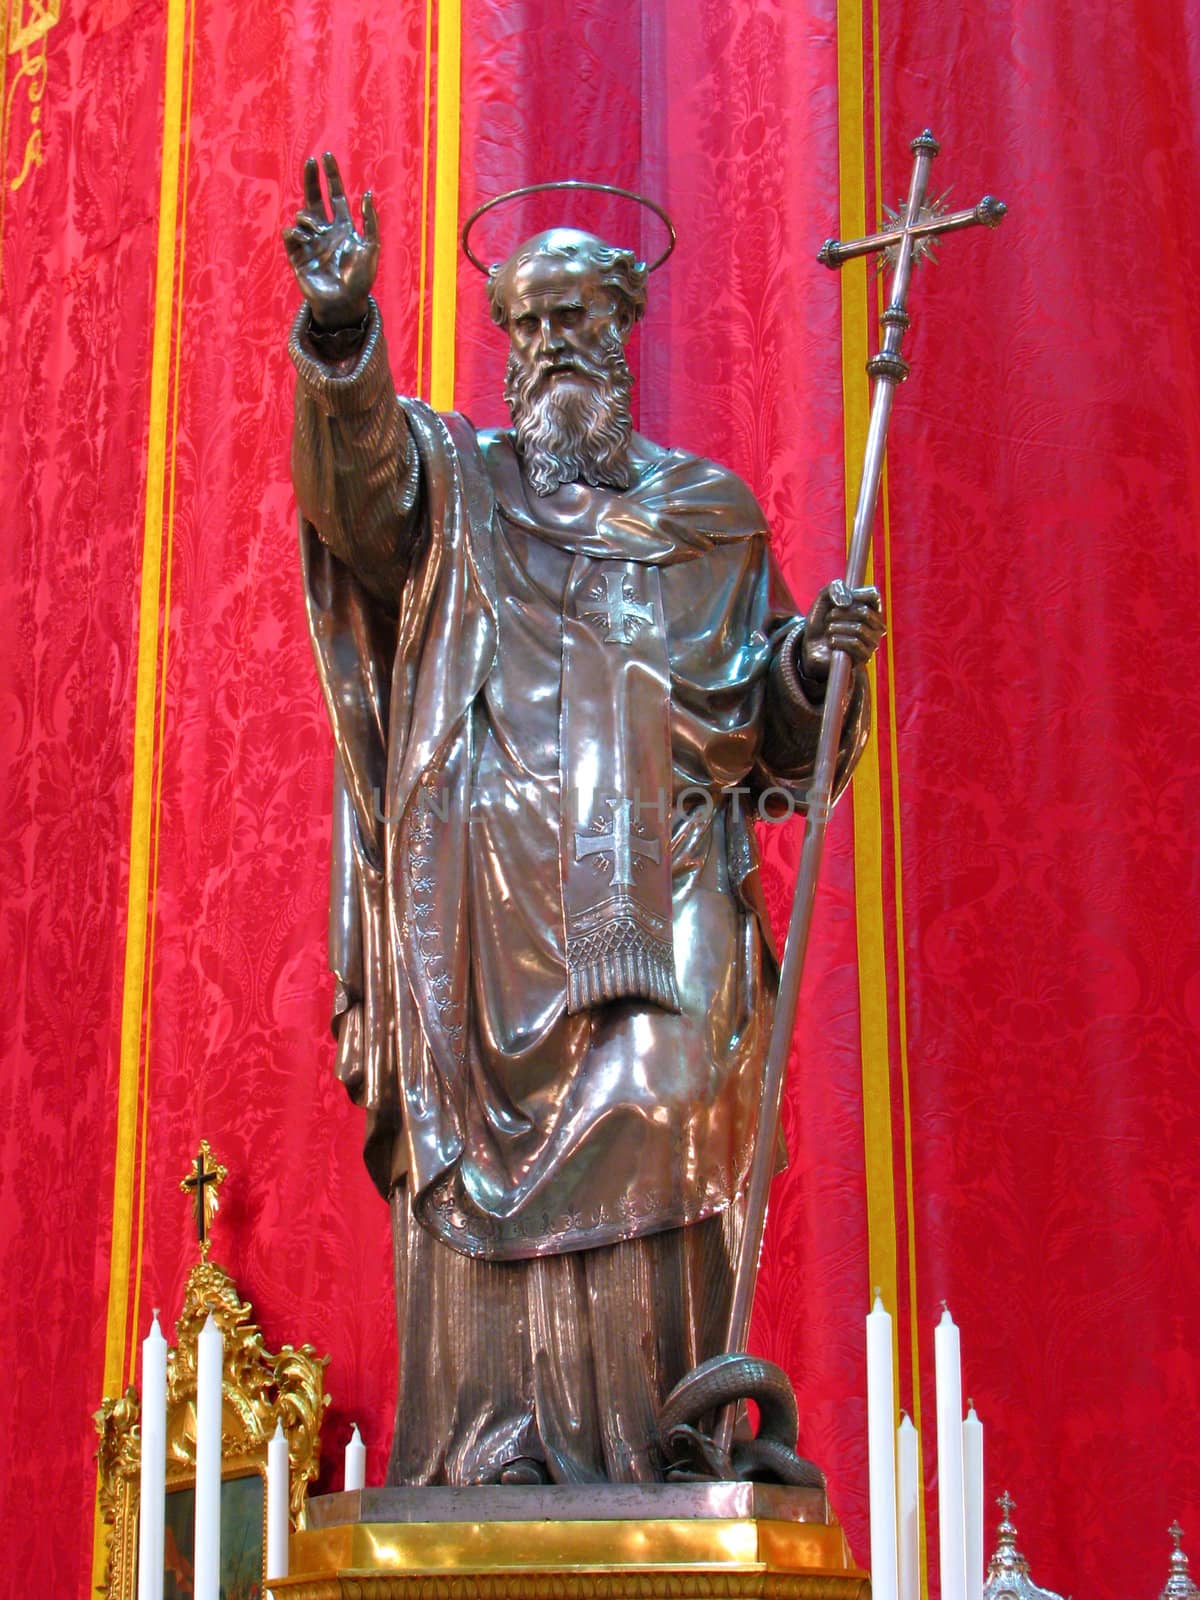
{"x":202,"y":1182}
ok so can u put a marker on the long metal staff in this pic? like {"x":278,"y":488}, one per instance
{"x":907,"y":241}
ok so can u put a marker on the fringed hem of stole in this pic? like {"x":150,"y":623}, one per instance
{"x":620,"y":962}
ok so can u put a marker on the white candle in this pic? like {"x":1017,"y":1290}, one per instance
{"x":210,"y":1354}
{"x":881,"y":1458}
{"x":972,"y":1435}
{"x":951,"y":1531}
{"x":153,"y":1488}
{"x":278,"y":1490}
{"x":909,"y":1473}
{"x":356,"y":1461}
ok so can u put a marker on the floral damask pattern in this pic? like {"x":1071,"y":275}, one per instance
{"x":75,"y":340}
{"x":1050,"y":764}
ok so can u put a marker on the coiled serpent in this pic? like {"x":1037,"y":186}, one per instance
{"x":770,"y":1457}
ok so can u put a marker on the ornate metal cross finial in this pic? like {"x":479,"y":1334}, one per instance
{"x":1008,"y":1571}
{"x":1007,"y":1557}
{"x":202,"y":1183}
{"x":1179,"y":1585}
{"x":917,"y":224}
{"x":932,"y":220}
{"x":927,"y":222}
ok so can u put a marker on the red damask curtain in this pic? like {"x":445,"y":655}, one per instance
{"x":994,"y":1097}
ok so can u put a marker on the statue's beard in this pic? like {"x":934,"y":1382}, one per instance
{"x":573,"y":430}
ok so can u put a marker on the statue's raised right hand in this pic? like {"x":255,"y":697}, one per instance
{"x":334,"y":264}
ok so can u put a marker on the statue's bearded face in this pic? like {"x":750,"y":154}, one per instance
{"x":568,"y":383}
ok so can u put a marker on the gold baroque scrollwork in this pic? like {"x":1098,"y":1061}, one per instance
{"x":29,"y":22}
{"x":259,"y":1390}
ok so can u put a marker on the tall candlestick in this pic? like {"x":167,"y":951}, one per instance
{"x":972,"y":1435}
{"x":951,"y":1531}
{"x":152,"y":1501}
{"x":881,"y":1458}
{"x":278,"y":1491}
{"x":210,"y":1355}
{"x":356,"y":1461}
{"x":908,"y":1495}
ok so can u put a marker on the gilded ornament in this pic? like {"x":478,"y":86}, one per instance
{"x":202,"y":1183}
{"x":259,"y":1390}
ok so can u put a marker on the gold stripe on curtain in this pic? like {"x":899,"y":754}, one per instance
{"x":148,"y":710}
{"x":910,"y":1231}
{"x":445,"y":206}
{"x":866,"y":799}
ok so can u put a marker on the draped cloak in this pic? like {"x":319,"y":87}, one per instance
{"x":438,"y":590}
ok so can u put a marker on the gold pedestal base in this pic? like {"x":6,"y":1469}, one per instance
{"x":664,"y":1542}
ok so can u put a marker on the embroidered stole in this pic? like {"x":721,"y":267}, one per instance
{"x":615,"y":780}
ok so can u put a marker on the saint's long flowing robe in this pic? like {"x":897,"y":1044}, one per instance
{"x":439,"y":592}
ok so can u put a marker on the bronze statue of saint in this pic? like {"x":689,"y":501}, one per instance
{"x":563,"y":676}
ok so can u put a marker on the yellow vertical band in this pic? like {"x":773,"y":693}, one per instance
{"x":423,"y":270}
{"x":914,"y":1341}
{"x":142,"y":799}
{"x":139,"y":1232}
{"x":445,"y":206}
{"x":868,"y":829}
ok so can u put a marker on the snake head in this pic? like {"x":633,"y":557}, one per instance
{"x":692,"y":1456}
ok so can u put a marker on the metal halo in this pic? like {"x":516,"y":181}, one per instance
{"x":565,"y":183}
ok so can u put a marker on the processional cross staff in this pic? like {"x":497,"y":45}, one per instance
{"x":916,"y":226}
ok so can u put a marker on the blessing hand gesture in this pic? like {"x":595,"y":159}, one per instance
{"x":334,"y":264}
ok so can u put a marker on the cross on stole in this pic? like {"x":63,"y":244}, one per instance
{"x":621,"y":843}
{"x":202,"y":1183}
{"x":619,"y":609}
